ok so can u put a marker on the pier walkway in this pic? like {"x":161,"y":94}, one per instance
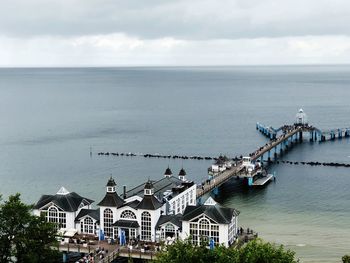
{"x":283,"y":142}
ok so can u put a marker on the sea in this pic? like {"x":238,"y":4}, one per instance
{"x":51,"y":118}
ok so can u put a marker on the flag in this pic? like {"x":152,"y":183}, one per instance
{"x":211,"y":243}
{"x":101,"y":235}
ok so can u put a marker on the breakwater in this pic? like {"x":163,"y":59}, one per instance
{"x":314,"y":163}
{"x":173,"y":156}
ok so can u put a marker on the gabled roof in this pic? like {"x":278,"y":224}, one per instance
{"x":174,"y":219}
{"x":220,"y":214}
{"x":111,"y":200}
{"x":149,"y":202}
{"x":160,"y":186}
{"x":68,"y":202}
{"x":93,"y":213}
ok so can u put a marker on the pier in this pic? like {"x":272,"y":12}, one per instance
{"x":281,"y":140}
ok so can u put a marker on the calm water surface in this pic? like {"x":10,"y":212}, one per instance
{"x":50,"y":118}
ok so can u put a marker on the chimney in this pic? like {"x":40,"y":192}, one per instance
{"x":124,"y":191}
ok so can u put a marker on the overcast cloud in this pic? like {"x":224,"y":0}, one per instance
{"x":195,"y":32}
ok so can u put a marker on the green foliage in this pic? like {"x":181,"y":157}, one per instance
{"x":255,"y":251}
{"x":260,"y":252}
{"x":23,"y":236}
{"x":346,"y":259}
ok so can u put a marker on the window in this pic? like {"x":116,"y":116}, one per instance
{"x":203,"y":231}
{"x":107,"y":222}
{"x":127,"y":214}
{"x":132,"y":232}
{"x":56,"y":217}
{"x":191,"y":196}
{"x":194,"y":233}
{"x":87,"y":226}
{"x":146,"y":226}
{"x":231,"y":230}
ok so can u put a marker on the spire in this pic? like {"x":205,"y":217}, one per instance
{"x":111,"y":185}
{"x":149,"y":189}
{"x":182,"y":174}
{"x":63,"y":191}
{"x":168,"y":172}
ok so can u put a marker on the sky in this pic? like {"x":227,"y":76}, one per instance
{"x":51,"y":33}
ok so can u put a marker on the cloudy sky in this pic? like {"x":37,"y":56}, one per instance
{"x":162,"y":32}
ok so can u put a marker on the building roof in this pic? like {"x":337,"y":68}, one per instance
{"x":182,"y":172}
{"x":111,"y":200}
{"x":132,"y":204}
{"x":220,"y":214}
{"x":168,"y":171}
{"x":111,"y":182}
{"x":174,"y":219}
{"x":148,"y":185}
{"x":160,"y":186}
{"x":149,"y":202}
{"x":67,"y":201}
{"x":93,"y":213}
{"x":127,"y":223}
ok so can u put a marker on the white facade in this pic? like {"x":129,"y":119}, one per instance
{"x":62,"y":216}
{"x":202,"y":227}
{"x":179,"y":202}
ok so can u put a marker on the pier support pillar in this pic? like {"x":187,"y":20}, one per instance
{"x":311,"y":136}
{"x":269,"y":156}
{"x":300,"y":136}
{"x":250,"y":181}
{"x":216,"y":191}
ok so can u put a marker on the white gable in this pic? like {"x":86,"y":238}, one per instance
{"x":210,"y":201}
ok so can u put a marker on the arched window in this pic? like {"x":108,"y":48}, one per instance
{"x":127,"y":214}
{"x":169,"y":228}
{"x":204,"y":229}
{"x":146,"y":230}
{"x":87,"y":226}
{"x":107,"y":222}
{"x":57,"y":217}
{"x":52,"y":215}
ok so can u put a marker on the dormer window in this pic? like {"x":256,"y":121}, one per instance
{"x":110,"y":189}
{"x":148,"y":191}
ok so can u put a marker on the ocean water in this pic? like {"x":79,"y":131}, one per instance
{"x":49,"y":119}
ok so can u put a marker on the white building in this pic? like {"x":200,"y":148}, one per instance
{"x":137,"y":211}
{"x":62,"y":208}
{"x":153,"y":211}
{"x":210,"y":221}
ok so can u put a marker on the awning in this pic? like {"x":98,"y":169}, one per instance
{"x":127,"y":223}
{"x":70,"y":233}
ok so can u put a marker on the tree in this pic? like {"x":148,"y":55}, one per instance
{"x":258,"y":251}
{"x":255,"y":251}
{"x":23,"y":236}
{"x":346,"y":259}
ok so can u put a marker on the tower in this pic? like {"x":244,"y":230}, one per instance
{"x":168,"y":172}
{"x":182,"y":174}
{"x":301,"y":118}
